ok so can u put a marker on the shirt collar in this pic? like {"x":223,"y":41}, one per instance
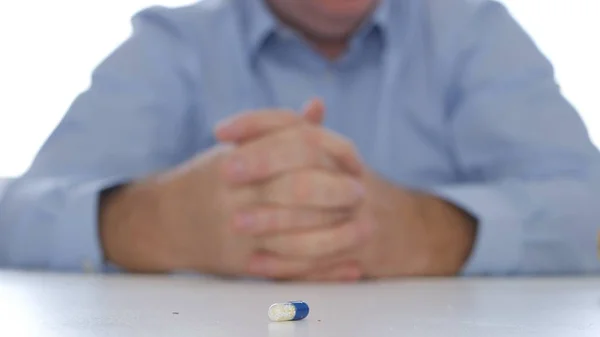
{"x":381,"y":15}
{"x":262,"y":24}
{"x":259,"y":23}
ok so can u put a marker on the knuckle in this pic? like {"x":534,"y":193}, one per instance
{"x":352,"y":190}
{"x":302,"y":187}
{"x":310,"y":135}
{"x":309,"y":219}
{"x":348,"y":147}
{"x":338,"y":217}
{"x":293,"y":247}
{"x":237,"y":198}
{"x":268,"y":219}
{"x":267,"y":163}
{"x":335,"y":191}
{"x":292,"y":153}
{"x":310,"y":154}
{"x":318,"y":246}
{"x":283,"y":245}
{"x":320,"y":218}
{"x":271,"y":244}
{"x":243,"y":163}
{"x":259,"y":193}
{"x":260,"y":164}
{"x":327,"y":162}
{"x":282,"y":219}
{"x":274,"y":156}
{"x":280,"y":191}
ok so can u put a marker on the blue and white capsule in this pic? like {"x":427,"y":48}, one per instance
{"x":288,"y":311}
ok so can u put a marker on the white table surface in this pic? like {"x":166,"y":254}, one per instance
{"x":50,"y":305}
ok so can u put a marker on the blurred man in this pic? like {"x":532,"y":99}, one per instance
{"x":321,"y":140}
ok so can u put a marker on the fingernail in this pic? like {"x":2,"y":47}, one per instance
{"x":245,"y":221}
{"x":236,"y":169}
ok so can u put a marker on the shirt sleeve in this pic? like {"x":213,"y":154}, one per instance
{"x":131,"y":122}
{"x":529,"y":173}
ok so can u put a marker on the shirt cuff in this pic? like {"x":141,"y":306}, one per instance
{"x":497,"y":246}
{"x":77,"y":239}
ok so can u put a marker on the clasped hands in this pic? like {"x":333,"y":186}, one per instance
{"x":300,"y":195}
{"x":281,"y":197}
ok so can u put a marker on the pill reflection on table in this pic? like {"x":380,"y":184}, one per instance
{"x":288,"y":311}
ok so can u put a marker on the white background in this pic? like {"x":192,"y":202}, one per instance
{"x":49,"y":47}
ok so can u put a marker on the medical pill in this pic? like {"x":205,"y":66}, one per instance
{"x":288,"y":311}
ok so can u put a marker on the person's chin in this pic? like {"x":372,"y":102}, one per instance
{"x":345,"y":8}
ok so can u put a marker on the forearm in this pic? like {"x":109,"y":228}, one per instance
{"x":438,"y":235}
{"x":449,"y":234}
{"x":132,"y":220}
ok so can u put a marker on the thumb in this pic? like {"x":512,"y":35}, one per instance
{"x":314,"y":111}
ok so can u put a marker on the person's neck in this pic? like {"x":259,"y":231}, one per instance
{"x":330,"y":49}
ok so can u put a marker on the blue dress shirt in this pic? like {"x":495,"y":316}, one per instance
{"x":446,"y":96}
